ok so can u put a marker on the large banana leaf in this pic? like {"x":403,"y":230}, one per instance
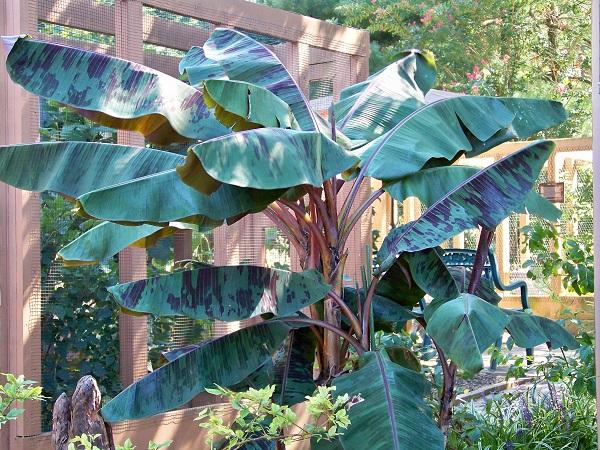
{"x":107,"y":239}
{"x":74,"y":168}
{"x":439,"y":132}
{"x":485,"y":288}
{"x":556,"y":335}
{"x":290,"y":370}
{"x":114,"y":92}
{"x":386,"y":311}
{"x":226,"y":293}
{"x":242,"y":58}
{"x":528,"y":331}
{"x":390,"y":411}
{"x":429,"y":185}
{"x":198,"y":67}
{"x":225,"y":361}
{"x":377,"y":105}
{"x":244,"y":106}
{"x":485,"y":200}
{"x":163,"y":198}
{"x":524,"y":329}
{"x":464,"y":328}
{"x":293,"y":370}
{"x":267,"y":158}
{"x":428,"y":275}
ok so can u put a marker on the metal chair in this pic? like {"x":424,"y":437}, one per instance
{"x":458,"y":257}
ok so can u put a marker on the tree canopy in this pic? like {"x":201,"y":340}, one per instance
{"x":527,"y":48}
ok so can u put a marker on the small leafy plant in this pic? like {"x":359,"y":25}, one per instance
{"x":16,"y":391}
{"x":259,"y":419}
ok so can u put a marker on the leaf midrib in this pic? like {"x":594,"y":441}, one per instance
{"x":389,"y":402}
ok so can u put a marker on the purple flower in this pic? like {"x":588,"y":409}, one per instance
{"x":526,"y":412}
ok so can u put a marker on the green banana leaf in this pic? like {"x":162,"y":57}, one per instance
{"x":556,"y":335}
{"x":243,"y":106}
{"x":107,"y":239}
{"x":464,"y":328}
{"x":244,"y":59}
{"x":164,"y":198}
{"x":224,"y":361}
{"x":267,"y":158}
{"x":485,"y":288}
{"x":290,"y":369}
{"x":429,"y":185}
{"x":197,"y":67}
{"x":396,"y":287}
{"x":113,"y":92}
{"x":524,"y":329}
{"x":390,"y":411}
{"x":440,"y":132}
{"x":74,"y":168}
{"x":293,"y":368}
{"x":377,"y":105}
{"x":228,"y":293}
{"x":485,"y":200}
{"x":428,"y":275}
{"x":386,"y":311}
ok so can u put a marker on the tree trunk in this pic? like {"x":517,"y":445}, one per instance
{"x":80,"y":416}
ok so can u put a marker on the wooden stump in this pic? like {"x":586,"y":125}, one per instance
{"x":61,"y":422}
{"x":80,"y":416}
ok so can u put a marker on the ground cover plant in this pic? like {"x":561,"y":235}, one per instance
{"x":255,"y":145}
{"x":557,"y":411}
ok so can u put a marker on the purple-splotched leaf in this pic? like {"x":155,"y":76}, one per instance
{"x":484,"y":200}
{"x":114,"y":92}
{"x":266,"y":158}
{"x":225,"y":361}
{"x":389,"y":410}
{"x":228,"y":293}
{"x":373,"y":107}
{"x":440,"y":132}
{"x":386,"y":311}
{"x":163,"y":197}
{"x":242,"y":58}
{"x":74,"y":168}
{"x":199,"y":68}
{"x":293,"y":368}
{"x":429,"y":185}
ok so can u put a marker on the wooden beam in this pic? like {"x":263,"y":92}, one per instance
{"x":231,"y":13}
{"x":277,"y":23}
{"x":82,"y":14}
{"x":168,"y":33}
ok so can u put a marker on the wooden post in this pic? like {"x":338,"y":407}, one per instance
{"x":133,"y":333}
{"x":555,"y":281}
{"x":596,"y":175}
{"x":20,"y":301}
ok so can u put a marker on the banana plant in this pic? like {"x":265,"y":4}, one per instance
{"x":255,"y":145}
